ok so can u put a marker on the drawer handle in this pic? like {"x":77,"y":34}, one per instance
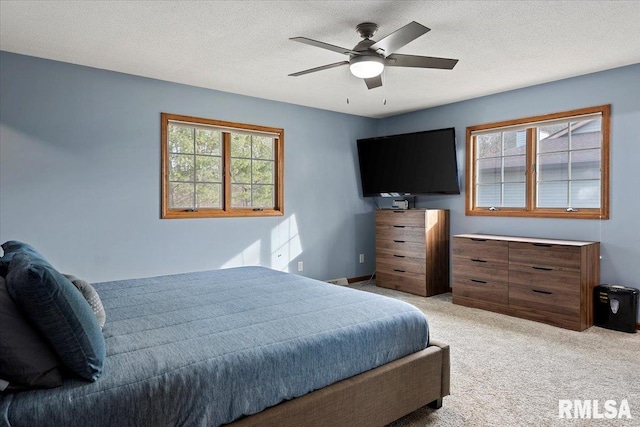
{"x":477,"y":281}
{"x":478,"y":240}
{"x":399,"y":271}
{"x":477,"y":260}
{"x":398,"y":256}
{"x":399,"y":241}
{"x":542,"y":292}
{"x":398,"y":212}
{"x":399,"y":226}
{"x":544,"y":245}
{"x":542,"y":268}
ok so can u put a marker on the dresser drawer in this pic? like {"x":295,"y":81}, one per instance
{"x":545,"y":255}
{"x":401,"y":233}
{"x":400,"y":264}
{"x":400,"y":247}
{"x":407,"y":282}
{"x":477,"y":281}
{"x":408,"y":218}
{"x":549,"y":280}
{"x":555,"y":301}
{"x":476,"y":269}
{"x":496,"y":292}
{"x":483,"y":249}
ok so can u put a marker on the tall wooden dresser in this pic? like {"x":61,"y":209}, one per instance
{"x":412,"y":250}
{"x":546,"y":280}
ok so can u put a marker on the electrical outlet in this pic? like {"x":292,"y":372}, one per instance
{"x":300,"y":266}
{"x":361,"y":258}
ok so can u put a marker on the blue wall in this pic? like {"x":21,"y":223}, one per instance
{"x":80,"y":178}
{"x":80,"y":174}
{"x":620,"y":235}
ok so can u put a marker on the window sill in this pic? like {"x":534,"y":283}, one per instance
{"x":540,"y":213}
{"x":219,"y":213}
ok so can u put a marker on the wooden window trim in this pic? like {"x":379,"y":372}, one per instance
{"x":226,"y":210}
{"x":530,"y":210}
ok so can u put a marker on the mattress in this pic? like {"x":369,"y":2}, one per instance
{"x":206,"y":348}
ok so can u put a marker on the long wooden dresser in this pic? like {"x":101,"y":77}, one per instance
{"x":412,"y":250}
{"x":546,"y":280}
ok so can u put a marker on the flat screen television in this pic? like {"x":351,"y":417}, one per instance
{"x":409,"y":164}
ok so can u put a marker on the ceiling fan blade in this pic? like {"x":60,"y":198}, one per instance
{"x":323,"y":67}
{"x":323,"y":45}
{"x":399,"y":38}
{"x":397,"y":60}
{"x":374,"y":82}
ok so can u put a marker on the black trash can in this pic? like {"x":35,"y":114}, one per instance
{"x":615,"y":307}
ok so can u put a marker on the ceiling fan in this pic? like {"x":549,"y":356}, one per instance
{"x":369,"y":57}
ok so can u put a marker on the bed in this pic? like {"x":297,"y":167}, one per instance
{"x":247,"y":346}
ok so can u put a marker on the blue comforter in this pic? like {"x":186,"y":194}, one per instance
{"x":207,"y":348}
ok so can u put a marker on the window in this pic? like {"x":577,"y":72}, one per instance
{"x":556,"y":165}
{"x":212,"y":168}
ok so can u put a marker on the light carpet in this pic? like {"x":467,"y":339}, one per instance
{"x":507,"y":371}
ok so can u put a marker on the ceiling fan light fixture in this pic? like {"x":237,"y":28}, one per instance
{"x":366,"y":67}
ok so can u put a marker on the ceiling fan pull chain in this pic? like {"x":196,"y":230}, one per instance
{"x":384,"y":88}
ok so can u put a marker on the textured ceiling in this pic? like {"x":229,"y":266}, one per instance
{"x":243,"y":46}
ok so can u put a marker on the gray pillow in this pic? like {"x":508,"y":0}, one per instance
{"x":26,"y":360}
{"x":92,"y":297}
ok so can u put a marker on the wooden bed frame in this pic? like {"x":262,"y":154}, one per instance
{"x":373,"y":398}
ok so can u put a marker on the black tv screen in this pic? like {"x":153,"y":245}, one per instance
{"x":412,"y":163}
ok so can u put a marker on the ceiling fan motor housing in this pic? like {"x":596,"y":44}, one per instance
{"x":363,"y":47}
{"x":367,"y":29}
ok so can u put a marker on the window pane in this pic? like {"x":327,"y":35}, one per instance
{"x":514,"y":142}
{"x":488,"y":195}
{"x":180,"y":195}
{"x":263,"y":196}
{"x":585,"y":164}
{"x":514,"y":195}
{"x":240,"y":145}
{"x":506,"y":195}
{"x":489,"y":170}
{"x":180,"y":139}
{"x":241,"y":196}
{"x":586,"y":134}
{"x":521,"y":139}
{"x":208,"y":142}
{"x":553,"y":194}
{"x":209,"y":195}
{"x":208,"y":169}
{"x":585,"y":194}
{"x":262,"y":147}
{"x":241,"y":170}
{"x":553,"y":138}
{"x":181,"y":167}
{"x":262,"y":172}
{"x":489,"y":145}
{"x":515,"y":169}
{"x":553,"y":167}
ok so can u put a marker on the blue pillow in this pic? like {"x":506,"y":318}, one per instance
{"x":13,"y":247}
{"x":26,"y":360}
{"x":59,"y":312}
